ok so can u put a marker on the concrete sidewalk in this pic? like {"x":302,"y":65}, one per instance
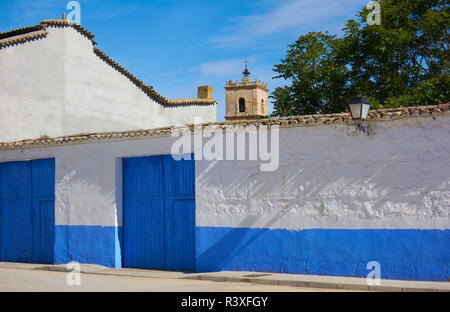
{"x":295,"y":280}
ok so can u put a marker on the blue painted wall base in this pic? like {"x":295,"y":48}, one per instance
{"x":402,"y":254}
{"x":88,"y":244}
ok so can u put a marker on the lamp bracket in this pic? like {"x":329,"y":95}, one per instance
{"x":362,"y":128}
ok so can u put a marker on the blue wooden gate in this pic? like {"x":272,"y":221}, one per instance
{"x":158,"y":213}
{"x":27,"y":211}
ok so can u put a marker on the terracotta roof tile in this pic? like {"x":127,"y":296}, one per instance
{"x":80,"y":28}
{"x":146,"y":89}
{"x":297,"y":121}
{"x":21,"y":31}
{"x":22,"y":38}
{"x":190,"y":101}
{"x":149,"y":89}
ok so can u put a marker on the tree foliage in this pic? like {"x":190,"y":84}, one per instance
{"x":402,"y":62}
{"x":316,"y":74}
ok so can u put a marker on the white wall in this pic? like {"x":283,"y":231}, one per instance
{"x":329,"y":177}
{"x":57,"y":86}
{"x":398,"y":177}
{"x":32,"y":88}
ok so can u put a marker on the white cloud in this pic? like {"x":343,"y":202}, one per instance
{"x":291,"y":14}
{"x":222,"y":68}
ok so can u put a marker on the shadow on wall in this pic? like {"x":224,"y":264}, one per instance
{"x":231,"y":245}
{"x":86,"y":230}
{"x":79,"y":202}
{"x":384,"y":189}
{"x":402,"y":254}
{"x":334,"y":191}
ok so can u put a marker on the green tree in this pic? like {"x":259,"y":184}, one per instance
{"x":318,"y":77}
{"x":402,"y":62}
{"x":405,"y":60}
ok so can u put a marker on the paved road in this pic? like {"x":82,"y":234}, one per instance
{"x":34,"y":280}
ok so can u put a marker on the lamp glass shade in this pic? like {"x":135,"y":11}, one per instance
{"x":355,"y":110}
{"x":364,"y":110}
{"x":359,"y":107}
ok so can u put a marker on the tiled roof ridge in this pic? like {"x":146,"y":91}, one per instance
{"x":145,"y":88}
{"x":21,"y":31}
{"x":43,"y":25}
{"x":297,"y":121}
{"x":190,"y":101}
{"x":318,"y":119}
{"x":22,"y":38}
{"x":65,"y":22}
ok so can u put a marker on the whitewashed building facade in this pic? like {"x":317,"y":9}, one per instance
{"x":337,"y":201}
{"x":54,"y":82}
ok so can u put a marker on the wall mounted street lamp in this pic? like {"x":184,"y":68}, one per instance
{"x":359,"y":109}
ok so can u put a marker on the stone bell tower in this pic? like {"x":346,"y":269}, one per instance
{"x":246,"y":99}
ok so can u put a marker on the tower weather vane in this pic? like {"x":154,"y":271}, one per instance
{"x":246,"y":73}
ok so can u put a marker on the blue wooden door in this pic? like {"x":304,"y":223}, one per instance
{"x":15,"y":212}
{"x":43,"y":209}
{"x":27,"y":211}
{"x":159,"y":213}
{"x":143,"y":213}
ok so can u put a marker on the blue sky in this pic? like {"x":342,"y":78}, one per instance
{"x":177,"y":45}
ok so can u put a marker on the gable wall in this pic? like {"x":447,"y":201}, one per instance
{"x":58,"y":86}
{"x":32,"y":88}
